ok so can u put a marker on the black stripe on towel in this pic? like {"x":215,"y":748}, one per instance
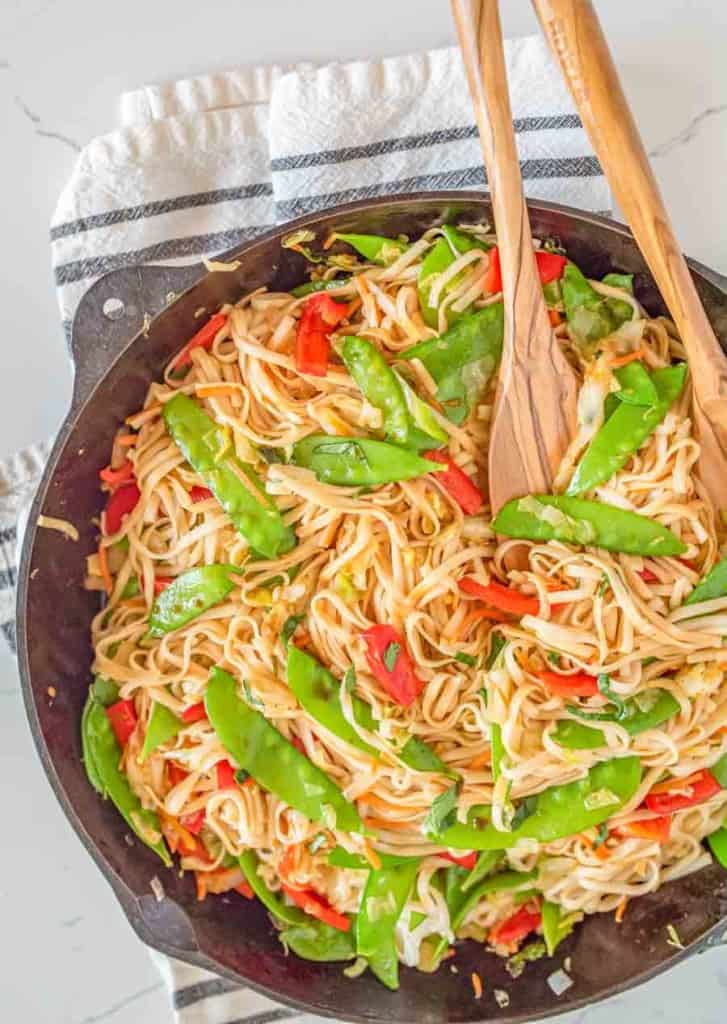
{"x":8,"y":629}
{"x":191,"y":994}
{"x":9,"y":535}
{"x":159,"y":207}
{"x":173,"y":248}
{"x":467,"y":177}
{"x":412,"y":142}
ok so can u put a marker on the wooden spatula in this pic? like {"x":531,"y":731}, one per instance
{"x":578,"y":42}
{"x":535,"y":405}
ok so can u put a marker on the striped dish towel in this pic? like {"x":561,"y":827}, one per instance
{"x":201,"y":165}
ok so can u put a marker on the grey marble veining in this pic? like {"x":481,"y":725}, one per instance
{"x":68,"y":955}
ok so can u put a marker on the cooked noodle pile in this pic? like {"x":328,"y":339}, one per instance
{"x":395,"y":554}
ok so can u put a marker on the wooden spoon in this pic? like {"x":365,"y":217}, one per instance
{"x":535,"y":405}
{"x":577,"y":40}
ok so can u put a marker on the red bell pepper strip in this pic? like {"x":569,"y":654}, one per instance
{"x":683,"y":793}
{"x":455,"y":482}
{"x":176,"y":774}
{"x":123,"y":501}
{"x":122,"y":716}
{"x":245,"y":890}
{"x":200,"y":493}
{"x":225,"y":775}
{"x":506,"y":599}
{"x":202,"y":339}
{"x":579,"y":684}
{"x":515,"y":928}
{"x":647,"y":575}
{"x":299,"y":745}
{"x":550,"y":265}
{"x":193,"y":822}
{"x":196,"y":713}
{"x":313,"y":339}
{"x":391,"y":665}
{"x":310,"y":902}
{"x":493,"y":275}
{"x":468,"y":861}
{"x":161,"y":583}
{"x":114,"y":477}
{"x":178,"y":836}
{"x":650,"y":828}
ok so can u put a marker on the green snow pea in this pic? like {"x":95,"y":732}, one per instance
{"x":576,"y":736}
{"x":487,"y":862}
{"x":379,"y":384}
{"x":713,"y":585}
{"x":463,"y":359}
{"x":191,"y":593}
{"x":661,"y":705}
{"x":442,"y":255}
{"x":102,"y":753}
{"x":375,"y":248}
{"x":556,"y":925}
{"x":105,"y":691}
{"x":553,"y":295}
{"x":623,"y":281}
{"x":318,"y":286}
{"x":637,"y":387}
{"x":590,"y":315}
{"x":257,"y":746}
{"x":359,"y":461}
{"x":462,"y":241}
{"x":131,"y":588}
{"x":425,"y":432}
{"x":719,"y":770}
{"x":718,"y":845}
{"x":625,"y":431}
{"x":585,"y":523}
{"x":163,"y":724}
{"x":497,"y":750}
{"x":317,"y":690}
{"x":340,"y":858}
{"x":557,"y":812}
{"x":205,"y":446}
{"x":384,"y":896}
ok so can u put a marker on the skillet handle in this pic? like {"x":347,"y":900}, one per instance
{"x":114,"y":310}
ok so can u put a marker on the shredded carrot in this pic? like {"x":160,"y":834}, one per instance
{"x":602,"y":852}
{"x":103,"y":564}
{"x":372,"y":856}
{"x":217,"y":390}
{"x":477,"y":985}
{"x":288,"y":863}
{"x":481,"y":760}
{"x":722,"y":731}
{"x":553,"y":586}
{"x":669,"y":785}
{"x":556,"y":317}
{"x":127,"y":440}
{"x":330,"y":240}
{"x":621,"y":910}
{"x":630,"y":357}
{"x":353,"y":306}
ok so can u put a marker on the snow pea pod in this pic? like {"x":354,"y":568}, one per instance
{"x":191,"y":593}
{"x":418,"y":755}
{"x":576,"y":736}
{"x":718,"y":845}
{"x":462,"y":360}
{"x":359,"y":461}
{"x":340,"y":858}
{"x":102,"y":754}
{"x":637,"y":387}
{"x":719,"y":770}
{"x":379,"y":384}
{"x":497,"y":750}
{"x":487,"y":862}
{"x":556,"y":925}
{"x":317,"y":690}
{"x":713,"y":585}
{"x":105,"y":691}
{"x":384,"y":896}
{"x":318,"y":941}
{"x":462,"y":241}
{"x":557,"y":812}
{"x":318,"y":286}
{"x":269,"y":899}
{"x":635,"y":719}
{"x":442,"y":255}
{"x":375,"y":248}
{"x":623,"y":281}
{"x":577,"y":521}
{"x":425,"y":432}
{"x":205,"y":445}
{"x":590,"y":315}
{"x":163,"y":725}
{"x":257,"y":746}
{"x":625,"y":431}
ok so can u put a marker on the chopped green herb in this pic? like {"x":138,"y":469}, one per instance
{"x":553,"y":657}
{"x":524,"y":810}
{"x":465,"y":659}
{"x":349,"y":679}
{"x":603,"y":585}
{"x":533,"y":951}
{"x":483,"y":693}
{"x":442,"y":813}
{"x":497,"y":644}
{"x":602,"y":835}
{"x":289,"y":627}
{"x":250,"y":697}
{"x":604,"y":685}
{"x":241,"y":776}
{"x":390,"y":655}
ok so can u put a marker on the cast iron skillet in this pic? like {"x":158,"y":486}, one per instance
{"x":228,"y":934}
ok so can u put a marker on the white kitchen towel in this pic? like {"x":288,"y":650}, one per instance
{"x":201,"y":165}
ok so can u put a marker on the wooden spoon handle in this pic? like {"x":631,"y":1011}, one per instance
{"x":576,"y":37}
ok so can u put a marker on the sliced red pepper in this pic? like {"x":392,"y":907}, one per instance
{"x":310,"y":902}
{"x":200,"y":493}
{"x":515,"y":928}
{"x":225,"y":775}
{"x":579,"y":684}
{"x":176,"y":773}
{"x":391,"y":665}
{"x":550,"y":265}
{"x":468,"y":861}
{"x":455,"y":482}
{"x":202,"y":339}
{"x":114,"y":477}
{"x":696,"y":790}
{"x":313,"y":339}
{"x":245,"y":890}
{"x":493,"y":275}
{"x":123,"y":501}
{"x":299,"y":745}
{"x":122,"y":716}
{"x":649,"y":828}
{"x":506,"y":599}
{"x":161,"y":583}
{"x":647,"y":575}
{"x":193,"y":822}
{"x":196,"y":713}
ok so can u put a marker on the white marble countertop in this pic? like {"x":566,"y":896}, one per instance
{"x":68,"y":955}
